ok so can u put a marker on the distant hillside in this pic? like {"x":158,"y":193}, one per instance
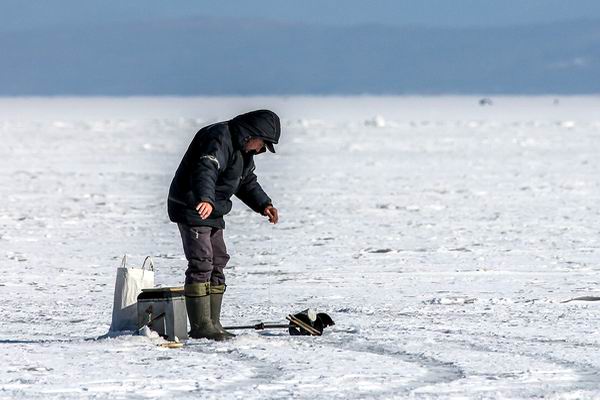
{"x":221,"y":57}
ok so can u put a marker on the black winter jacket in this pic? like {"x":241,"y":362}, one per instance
{"x":214,"y":168}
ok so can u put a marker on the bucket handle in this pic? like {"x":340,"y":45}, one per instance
{"x":148,"y":260}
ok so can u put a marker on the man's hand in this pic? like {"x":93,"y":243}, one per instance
{"x":204,"y":209}
{"x":271,"y":212}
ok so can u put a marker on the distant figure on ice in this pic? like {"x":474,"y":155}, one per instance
{"x":218,"y":164}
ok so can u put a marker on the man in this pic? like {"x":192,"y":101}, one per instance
{"x":218,"y":164}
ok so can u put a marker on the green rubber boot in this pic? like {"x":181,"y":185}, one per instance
{"x":216,"y":300}
{"x":197,"y":303}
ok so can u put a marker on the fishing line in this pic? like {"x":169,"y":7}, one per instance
{"x":270,"y":272}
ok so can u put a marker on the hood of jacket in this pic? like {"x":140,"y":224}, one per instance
{"x":260,"y":123}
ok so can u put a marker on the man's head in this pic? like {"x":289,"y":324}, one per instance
{"x":257,"y":131}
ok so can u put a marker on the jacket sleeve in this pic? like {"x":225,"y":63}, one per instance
{"x":209,"y":161}
{"x":252,"y":194}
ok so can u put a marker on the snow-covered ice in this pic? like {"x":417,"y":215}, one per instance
{"x":441,"y":236}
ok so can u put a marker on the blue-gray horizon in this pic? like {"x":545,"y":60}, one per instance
{"x":189,"y":56}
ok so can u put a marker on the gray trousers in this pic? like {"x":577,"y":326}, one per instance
{"x":206,"y":253}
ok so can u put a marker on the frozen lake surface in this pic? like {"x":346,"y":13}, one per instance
{"x":440,"y":235}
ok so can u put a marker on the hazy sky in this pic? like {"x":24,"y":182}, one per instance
{"x":25,"y":14}
{"x":147,"y":47}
